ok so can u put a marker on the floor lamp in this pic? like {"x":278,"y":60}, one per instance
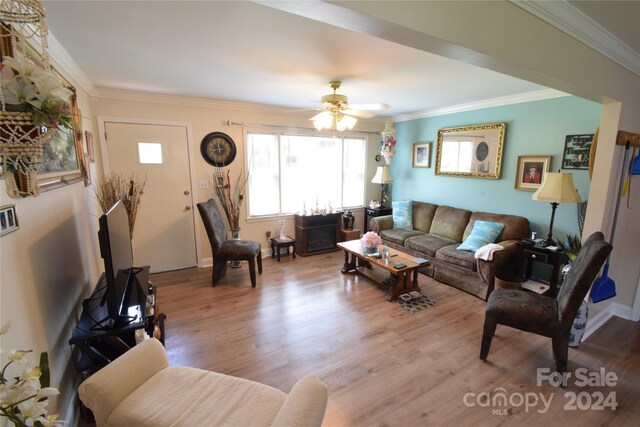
{"x":382,"y":177}
{"x":556,"y":188}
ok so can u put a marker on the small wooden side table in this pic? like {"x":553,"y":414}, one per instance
{"x":346,"y":235}
{"x":284,"y":242}
{"x":537,"y":253}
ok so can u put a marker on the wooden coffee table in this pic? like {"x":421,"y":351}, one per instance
{"x":394,"y":281}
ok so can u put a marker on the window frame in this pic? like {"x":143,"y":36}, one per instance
{"x":301,"y":133}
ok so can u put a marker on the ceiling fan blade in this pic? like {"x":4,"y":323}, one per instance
{"x":374,"y":106}
{"x":359,"y":114}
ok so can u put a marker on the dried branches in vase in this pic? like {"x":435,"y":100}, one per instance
{"x":230,"y":197}
{"x":109,"y":190}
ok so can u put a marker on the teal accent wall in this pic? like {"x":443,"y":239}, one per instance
{"x":532,"y":128}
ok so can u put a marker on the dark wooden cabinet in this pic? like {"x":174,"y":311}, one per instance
{"x":371,"y":213}
{"x":316,"y":234}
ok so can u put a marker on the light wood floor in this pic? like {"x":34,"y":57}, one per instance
{"x":383,"y":366}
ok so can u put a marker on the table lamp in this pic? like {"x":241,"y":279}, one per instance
{"x":383,"y":178}
{"x":556,"y":187}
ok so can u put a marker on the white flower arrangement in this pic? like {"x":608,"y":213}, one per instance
{"x":23,"y":400}
{"x":28,"y":88}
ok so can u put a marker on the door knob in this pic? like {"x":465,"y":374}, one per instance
{"x":188,"y":208}
{"x":186,"y":193}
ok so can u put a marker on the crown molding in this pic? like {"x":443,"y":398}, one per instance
{"x":539,"y":95}
{"x":574,"y":22}
{"x":62,"y":58}
{"x":186,"y":101}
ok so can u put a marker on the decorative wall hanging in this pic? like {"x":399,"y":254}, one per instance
{"x":388,"y":143}
{"x":34,"y":99}
{"x":576,"y":151}
{"x":531,"y":171}
{"x":422,"y":155}
{"x":470,"y":151}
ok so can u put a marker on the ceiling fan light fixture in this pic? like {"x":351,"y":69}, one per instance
{"x":323,"y":120}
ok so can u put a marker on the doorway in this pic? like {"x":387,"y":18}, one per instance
{"x":164,"y":235}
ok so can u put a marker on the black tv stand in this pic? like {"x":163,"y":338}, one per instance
{"x":97,"y":340}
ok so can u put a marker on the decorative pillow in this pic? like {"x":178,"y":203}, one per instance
{"x":483,"y":233}
{"x":403,"y":214}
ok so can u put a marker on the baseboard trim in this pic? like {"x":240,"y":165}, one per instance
{"x":614,"y":309}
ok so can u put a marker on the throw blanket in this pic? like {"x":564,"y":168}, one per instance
{"x":486,"y":251}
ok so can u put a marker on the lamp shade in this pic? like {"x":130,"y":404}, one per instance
{"x":382,"y":176}
{"x":557,"y":187}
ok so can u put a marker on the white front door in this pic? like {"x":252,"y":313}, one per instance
{"x":164,"y":233}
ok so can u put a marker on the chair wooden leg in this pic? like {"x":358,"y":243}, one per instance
{"x":490,"y":324}
{"x":219,"y":270}
{"x":560,"y":353}
{"x":252,"y":272}
{"x":259,"y":259}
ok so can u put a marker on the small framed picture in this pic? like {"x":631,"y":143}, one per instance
{"x":576,"y":151}
{"x":422,"y":155}
{"x":88,"y":136}
{"x":8,"y":219}
{"x":531,"y":170}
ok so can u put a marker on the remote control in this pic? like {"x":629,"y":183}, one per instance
{"x":399,"y":266}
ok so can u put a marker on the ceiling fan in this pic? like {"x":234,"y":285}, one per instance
{"x":336,"y":107}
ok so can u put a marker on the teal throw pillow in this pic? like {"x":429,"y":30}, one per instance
{"x":483,"y":233}
{"x":403,"y":214}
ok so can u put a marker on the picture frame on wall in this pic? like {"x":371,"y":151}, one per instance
{"x":422,"y":155}
{"x":88,"y":137}
{"x":8,"y":219}
{"x":576,"y":151}
{"x":531,"y":171}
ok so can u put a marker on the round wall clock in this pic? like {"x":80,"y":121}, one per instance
{"x":218,"y":149}
{"x":482,"y":151}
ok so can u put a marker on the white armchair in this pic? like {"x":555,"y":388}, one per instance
{"x":140,"y":388}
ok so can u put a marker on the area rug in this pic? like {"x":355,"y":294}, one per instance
{"x":417,"y":304}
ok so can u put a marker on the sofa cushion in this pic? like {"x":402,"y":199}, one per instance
{"x":423,"y":215}
{"x":483,"y":233}
{"x":428,"y":243}
{"x":403,"y":214}
{"x":452,"y":255}
{"x":450,"y":222}
{"x":398,"y":235}
{"x":212,"y":398}
{"x":515,"y":227}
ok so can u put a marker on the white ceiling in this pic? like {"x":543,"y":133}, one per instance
{"x":248,"y":52}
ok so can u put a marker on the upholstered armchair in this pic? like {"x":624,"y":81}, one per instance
{"x":224,"y":250}
{"x":550,"y":317}
{"x":139,"y":388}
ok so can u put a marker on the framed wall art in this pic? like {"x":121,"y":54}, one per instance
{"x":63,"y":159}
{"x":422,"y":155}
{"x":531,"y":171}
{"x":88,"y":137}
{"x":576,"y":151}
{"x":8,"y":219}
{"x":470,"y":151}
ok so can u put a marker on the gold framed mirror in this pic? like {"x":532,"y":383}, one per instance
{"x":470,"y":151}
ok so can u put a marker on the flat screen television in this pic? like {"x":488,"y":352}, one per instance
{"x":115,"y":249}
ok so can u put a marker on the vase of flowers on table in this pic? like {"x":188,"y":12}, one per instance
{"x":370,"y":242}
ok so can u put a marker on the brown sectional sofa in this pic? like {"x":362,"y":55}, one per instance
{"x":437,"y":232}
